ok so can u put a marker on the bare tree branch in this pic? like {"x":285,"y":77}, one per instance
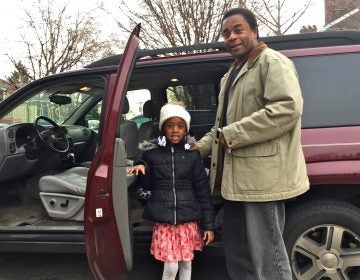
{"x":57,"y":40}
{"x":176,"y":22}
{"x":278,"y":16}
{"x":183,"y":22}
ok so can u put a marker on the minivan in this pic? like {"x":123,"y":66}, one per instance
{"x":68,"y":139}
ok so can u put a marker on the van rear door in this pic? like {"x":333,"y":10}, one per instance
{"x":108,"y":237}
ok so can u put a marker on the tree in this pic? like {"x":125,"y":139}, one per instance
{"x":278,"y":16}
{"x":56,"y":40}
{"x":19,"y":77}
{"x":174,"y":23}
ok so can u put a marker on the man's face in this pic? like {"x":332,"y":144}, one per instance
{"x":239,"y":38}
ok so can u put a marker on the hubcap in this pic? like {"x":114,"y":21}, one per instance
{"x":330,"y":261}
{"x":326,"y":252}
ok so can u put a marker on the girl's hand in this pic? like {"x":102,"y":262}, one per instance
{"x":208,"y":236}
{"x":137,"y":169}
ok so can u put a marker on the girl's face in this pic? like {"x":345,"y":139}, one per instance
{"x":175,"y":129}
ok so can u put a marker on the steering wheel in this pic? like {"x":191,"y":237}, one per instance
{"x":52,"y":135}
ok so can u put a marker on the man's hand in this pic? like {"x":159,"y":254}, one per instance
{"x":194,"y":148}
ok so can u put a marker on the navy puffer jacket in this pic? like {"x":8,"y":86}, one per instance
{"x":179,"y":186}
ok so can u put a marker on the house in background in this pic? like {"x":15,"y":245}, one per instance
{"x":344,"y":14}
{"x":5,"y":89}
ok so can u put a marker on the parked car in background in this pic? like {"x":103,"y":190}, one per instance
{"x":67,"y":139}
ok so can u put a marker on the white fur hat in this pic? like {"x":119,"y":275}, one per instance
{"x":174,"y":110}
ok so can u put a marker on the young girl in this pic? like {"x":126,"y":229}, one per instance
{"x":180,"y":201}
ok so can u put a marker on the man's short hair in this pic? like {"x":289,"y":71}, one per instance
{"x":247,"y":14}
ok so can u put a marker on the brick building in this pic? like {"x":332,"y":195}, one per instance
{"x":342,"y":14}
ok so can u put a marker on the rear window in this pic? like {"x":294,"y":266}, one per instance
{"x":201,"y":102}
{"x":331,"y":89}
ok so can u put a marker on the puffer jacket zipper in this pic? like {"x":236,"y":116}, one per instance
{"x":173,"y":182}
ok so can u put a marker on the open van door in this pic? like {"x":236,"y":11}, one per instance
{"x":108,"y":237}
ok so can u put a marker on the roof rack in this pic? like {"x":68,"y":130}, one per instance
{"x":313,"y":39}
{"x":283,"y":42}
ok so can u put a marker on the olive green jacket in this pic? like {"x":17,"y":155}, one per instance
{"x":265,"y":160}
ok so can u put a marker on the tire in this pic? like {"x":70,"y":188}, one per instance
{"x":322,"y":238}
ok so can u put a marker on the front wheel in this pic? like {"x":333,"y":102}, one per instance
{"x":322,"y":239}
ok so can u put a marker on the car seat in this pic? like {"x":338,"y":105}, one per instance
{"x":150,"y":129}
{"x":63,"y":194}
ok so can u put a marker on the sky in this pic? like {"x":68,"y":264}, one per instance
{"x":11,"y":24}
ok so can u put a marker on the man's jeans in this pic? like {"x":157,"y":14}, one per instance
{"x":254,"y":247}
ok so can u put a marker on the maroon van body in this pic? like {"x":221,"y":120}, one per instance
{"x":80,"y":199}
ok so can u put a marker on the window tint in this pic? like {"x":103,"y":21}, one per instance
{"x":93,"y":117}
{"x":58,"y":101}
{"x":331,"y":89}
{"x":201,"y":102}
{"x":136,"y":99}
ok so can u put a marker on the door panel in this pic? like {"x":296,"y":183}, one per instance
{"x":105,"y":248}
{"x":120,"y":201}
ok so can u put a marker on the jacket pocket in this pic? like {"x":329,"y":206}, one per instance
{"x":265,"y":149}
{"x":257,"y":168}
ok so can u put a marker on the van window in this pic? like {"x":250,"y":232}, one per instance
{"x":136,"y":99}
{"x":201,"y":102}
{"x":92,"y":118}
{"x":331,"y":89}
{"x":58,"y":101}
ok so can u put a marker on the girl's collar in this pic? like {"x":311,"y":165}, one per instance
{"x":161,"y":141}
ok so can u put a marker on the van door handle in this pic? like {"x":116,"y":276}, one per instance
{"x":103,"y":194}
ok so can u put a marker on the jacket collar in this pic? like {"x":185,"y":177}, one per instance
{"x":253,"y":55}
{"x":161,"y":141}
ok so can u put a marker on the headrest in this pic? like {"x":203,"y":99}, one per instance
{"x":125,"y":106}
{"x":149,"y":109}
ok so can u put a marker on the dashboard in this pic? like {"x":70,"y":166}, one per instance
{"x":22,"y":152}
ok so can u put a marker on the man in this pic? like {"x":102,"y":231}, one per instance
{"x":257,"y":159}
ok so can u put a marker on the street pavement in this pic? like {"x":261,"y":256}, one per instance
{"x":27,"y":266}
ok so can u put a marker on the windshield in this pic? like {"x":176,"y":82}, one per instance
{"x":56,"y":102}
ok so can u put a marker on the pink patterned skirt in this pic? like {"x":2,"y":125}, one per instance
{"x":172,"y":243}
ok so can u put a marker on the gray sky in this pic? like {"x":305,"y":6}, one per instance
{"x":11,"y":14}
